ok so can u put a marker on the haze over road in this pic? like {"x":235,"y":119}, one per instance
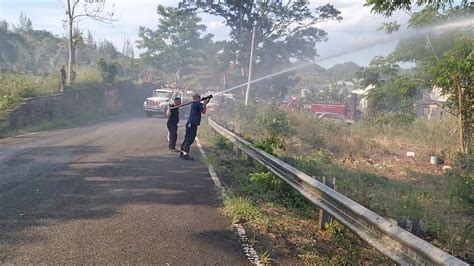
{"x":109,"y":193}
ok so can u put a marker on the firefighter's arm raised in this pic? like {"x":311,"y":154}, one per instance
{"x":204,"y":106}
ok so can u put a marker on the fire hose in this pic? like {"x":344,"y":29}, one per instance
{"x":188,"y":103}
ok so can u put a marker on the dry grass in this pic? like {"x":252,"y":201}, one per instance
{"x":371,"y":167}
{"x":282,"y":224}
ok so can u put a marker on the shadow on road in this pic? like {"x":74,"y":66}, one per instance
{"x":44,"y":187}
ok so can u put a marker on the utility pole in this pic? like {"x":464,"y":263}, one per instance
{"x":224,"y":83}
{"x":250,"y":66}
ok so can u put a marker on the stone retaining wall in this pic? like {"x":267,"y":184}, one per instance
{"x":102,"y":100}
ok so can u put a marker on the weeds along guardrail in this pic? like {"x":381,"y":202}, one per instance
{"x":391,"y":240}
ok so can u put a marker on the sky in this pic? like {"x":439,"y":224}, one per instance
{"x":357,"y":29}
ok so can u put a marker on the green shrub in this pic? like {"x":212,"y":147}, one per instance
{"x":346,"y":243}
{"x":269,"y":144}
{"x":462,"y":189}
{"x":87,"y":76}
{"x":266,"y":181}
{"x":396,"y":119}
{"x":4,"y":127}
{"x":274,"y":121}
{"x":309,"y":165}
{"x":17,"y":85}
{"x":242,"y":209}
{"x":409,"y":208}
{"x":267,"y":185}
{"x":108,"y":71}
{"x":465,"y":161}
{"x":245,"y":114}
{"x":8,"y":102}
{"x":324,"y":156}
{"x":435,"y":227}
{"x":313,"y":140}
{"x":222,"y":143}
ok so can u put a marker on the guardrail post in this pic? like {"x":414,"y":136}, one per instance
{"x":325,"y":217}
{"x":238,"y":151}
{"x":413,"y":226}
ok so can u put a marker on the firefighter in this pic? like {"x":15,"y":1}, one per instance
{"x":194,"y":120}
{"x":172,"y":124}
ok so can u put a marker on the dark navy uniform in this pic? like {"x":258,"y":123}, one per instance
{"x":194,"y":121}
{"x":172,"y":125}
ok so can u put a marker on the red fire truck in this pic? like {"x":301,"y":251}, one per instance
{"x":335,"y":108}
{"x":334,"y":111}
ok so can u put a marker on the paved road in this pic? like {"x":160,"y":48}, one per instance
{"x":109,"y":193}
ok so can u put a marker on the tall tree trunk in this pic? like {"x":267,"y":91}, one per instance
{"x":70,"y":62}
{"x":247,"y":92}
{"x":462,"y":139}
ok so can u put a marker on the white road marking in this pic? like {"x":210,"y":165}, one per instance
{"x":212,"y":172}
{"x":249,"y":251}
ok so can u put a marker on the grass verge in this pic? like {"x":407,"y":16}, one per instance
{"x":371,"y":166}
{"x":282,"y":224}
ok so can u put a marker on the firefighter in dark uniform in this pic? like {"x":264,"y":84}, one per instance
{"x":194,"y":120}
{"x":172,"y":124}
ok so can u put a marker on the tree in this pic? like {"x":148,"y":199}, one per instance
{"x":276,"y":127}
{"x":77,"y":9}
{"x":428,"y":47}
{"x":107,"y":71}
{"x":443,"y":59}
{"x":24,"y":24}
{"x":173,"y":46}
{"x":290,"y":26}
{"x":454,"y":74}
{"x":44,"y":53}
{"x":10,"y":45}
{"x":39,"y":52}
{"x":284,"y":32}
{"x":391,"y":93}
{"x":90,"y":40}
{"x":379,"y":70}
{"x":211,"y":67}
{"x":345,"y":71}
{"x":107,"y":50}
{"x":388,"y":7}
{"x":127,"y":49}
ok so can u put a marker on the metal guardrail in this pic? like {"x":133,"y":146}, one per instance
{"x":391,"y":240}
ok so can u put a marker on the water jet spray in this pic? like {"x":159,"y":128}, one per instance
{"x":463,"y":23}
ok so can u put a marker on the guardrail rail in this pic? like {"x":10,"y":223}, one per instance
{"x":391,"y":240}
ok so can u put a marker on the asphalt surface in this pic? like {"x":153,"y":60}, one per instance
{"x":109,"y":193}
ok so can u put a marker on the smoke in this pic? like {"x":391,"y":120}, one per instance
{"x":465,"y":23}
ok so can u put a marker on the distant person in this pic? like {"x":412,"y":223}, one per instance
{"x":63,"y":76}
{"x":194,"y":120}
{"x":172,"y":124}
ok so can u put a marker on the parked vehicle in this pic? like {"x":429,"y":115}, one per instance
{"x":333,"y":116}
{"x":160,"y":100}
{"x":332,"y":111}
{"x":184,"y":111}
